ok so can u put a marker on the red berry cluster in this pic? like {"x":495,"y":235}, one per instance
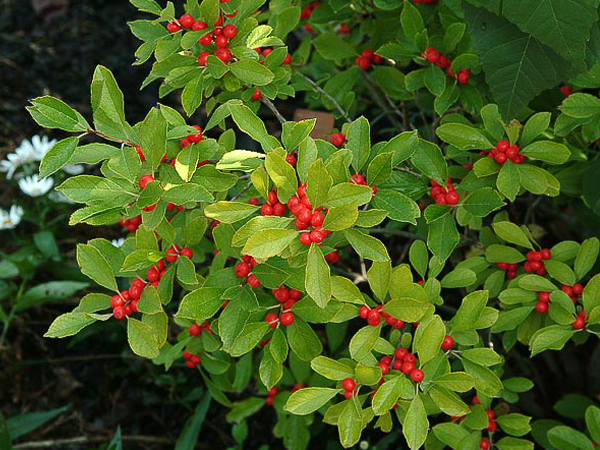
{"x":503,"y":152}
{"x":405,"y":362}
{"x":492,"y":425}
{"x":366,"y":58}
{"x":175,"y":251}
{"x":298,"y":386}
{"x":286,"y":318}
{"x":579,"y":321}
{"x":374,"y":316}
{"x":307,"y":217}
{"x":220,"y":37}
{"x":271,"y":395}
{"x":348,"y":384}
{"x":131,"y":224}
{"x":510,"y":269}
{"x":191,"y":359}
{"x":332,"y":257}
{"x":124,"y":304}
{"x":337,"y":139}
{"x":192,"y":138}
{"x":542,"y":305}
{"x":574,"y":292}
{"x":432,"y":56}
{"x":273,"y":207}
{"x":359,"y":179}
{"x":195,"y":329}
{"x":534,"y":261}
{"x":243,"y":269}
{"x":444,"y":195}
{"x":287,"y":297}
{"x":307,"y":11}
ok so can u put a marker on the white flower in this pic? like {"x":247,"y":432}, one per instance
{"x":26,"y":152}
{"x":76,"y":169}
{"x":9,"y":220}
{"x":118,"y":242}
{"x":35,"y":187}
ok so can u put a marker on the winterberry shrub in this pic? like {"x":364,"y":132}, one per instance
{"x":380,"y":275}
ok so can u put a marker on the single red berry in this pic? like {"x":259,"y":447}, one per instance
{"x":357,"y":179}
{"x":567,"y":290}
{"x":253,"y":282}
{"x":152,"y":274}
{"x":194,"y":329}
{"x":119,"y":312}
{"x":287,"y":60}
{"x":401,"y":353}
{"x":135,"y":291}
{"x":544,"y":296}
{"x":206,"y":40}
{"x":432,"y":55}
{"x":242,"y":270}
{"x":579,"y":323}
{"x":305,"y":238}
{"x":409,"y":357}
{"x":348,"y":384}
{"x":290,"y":159}
{"x":363,"y":311}
{"x":317,"y":220}
{"x":199,"y":26}
{"x":363,"y":63}
{"x":345,"y":29}
{"x":492,"y":426}
{"x":385,"y":368}
{"x":187,"y":252}
{"x":279,"y":209}
{"x":463,"y":77}
{"x":546,"y":254}
{"x":186,"y":21}
{"x":368,"y":54}
{"x":566,"y":90}
{"x":448,"y":342}
{"x":500,"y":158}
{"x":337,"y":139}
{"x":373,"y":318}
{"x":172,"y":27}
{"x":271,"y":319}
{"x":145,"y":180}
{"x":266,"y":210}
{"x":407,"y":368}
{"x":347,"y":394}
{"x":281,"y":294}
{"x":116,"y":301}
{"x":295,"y":294}
{"x":230,"y":31}
{"x":577,"y":289}
{"x":286,"y":318}
{"x":332,"y":257}
{"x":541,"y":307}
{"x":452,"y":198}
{"x":223,"y":54}
{"x":490,"y":413}
{"x":256,"y":95}
{"x":221,"y":41}
{"x":484,"y":444}
{"x":266,"y":52}
{"x":317,"y":236}
{"x":272,"y":198}
{"x":417,"y":375}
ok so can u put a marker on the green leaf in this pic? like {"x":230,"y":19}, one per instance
{"x":191,"y":96}
{"x":348,"y":193}
{"x":459,"y":278}
{"x":229,"y":212}
{"x":318,"y":277}
{"x":435,"y":80}
{"x":50,"y":112}
{"x":430,"y":161}
{"x":514,"y":424}
{"x":511,"y":443}
{"x":282,"y":174}
{"x":250,"y":124}
{"x":482,"y":202}
{"x":536,"y":125}
{"x":416,"y":425}
{"x":509,"y":180}
{"x":411,"y":20}
{"x":592,"y":420}
{"x":269,"y":242}
{"x":380,"y":169}
{"x":428,"y":338}
{"x":367,"y":246}
{"x":95,"y":266}
{"x":388,"y":393}
{"x":295,"y":133}
{"x":318,"y":183}
{"x":331,"y":369}
{"x":359,"y":142}
{"x":68,"y":324}
{"x":331,"y":47}
{"x":553,"y":337}
{"x":142,"y":339}
{"x":303,"y":340}
{"x":517,"y":67}
{"x":443,"y":237}
{"x":249,"y":338}
{"x":191,"y":430}
{"x":566,"y":438}
{"x":470,"y":311}
{"x":547,"y":151}
{"x":58,"y":156}
{"x":580,"y":106}
{"x":464,"y":137}
{"x":586,"y":257}
{"x":307,"y":400}
{"x":512,"y":233}
{"x":340,"y":218}
{"x":400,"y":207}
{"x":201,"y":304}
{"x":153,"y":135}
{"x":536,"y":283}
{"x":363,"y":342}
{"x":346,"y":291}
{"x":251,"y":72}
{"x":455,"y":381}
{"x":408,"y":309}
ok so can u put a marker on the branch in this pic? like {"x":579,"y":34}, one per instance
{"x":244,"y":189}
{"x":274,"y":110}
{"x":319,"y":89}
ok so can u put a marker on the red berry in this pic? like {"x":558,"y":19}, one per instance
{"x":401,"y":353}
{"x":567,"y":290}
{"x":152,"y":274}
{"x":511,"y":275}
{"x":119,"y":312}
{"x":463,"y":77}
{"x":566,"y":90}
{"x":230,"y":31}
{"x":187,"y":252}
{"x":205,"y":40}
{"x":492,"y":426}
{"x":417,"y":375}
{"x":317,"y":236}
{"x":145,"y":180}
{"x":357,"y":179}
{"x":279,"y":209}
{"x":281,"y":294}
{"x":253,"y":282}
{"x":347,"y":394}
{"x":368,"y":54}
{"x":500,"y":158}
{"x":290,"y":159}
{"x":186,"y":21}
{"x":305,"y":238}
{"x":286,"y":318}
{"x":373,"y":317}
{"x":348,"y":384}
{"x":266,"y":210}
{"x":332,"y":257}
{"x":385,"y":368}
{"x":272,"y":198}
{"x":194,"y":329}
{"x":337,"y":139}
{"x":546,"y":254}
{"x":271,"y":319}
{"x":432,"y":55}
{"x":242,"y":270}
{"x":407,"y":368}
{"x":317,"y":219}
{"x":490,"y":413}
{"x":452,"y":198}
{"x":287,"y":60}
{"x":295,"y":294}
{"x":256,"y":95}
{"x":363,"y":311}
{"x":223,"y":54}
{"x":221,"y":41}
{"x":544,"y":296}
{"x":484,"y":444}
{"x":199,"y":26}
{"x":448,"y":342}
{"x":579,"y":323}
{"x":116,"y":301}
{"x":172,"y":27}
{"x":577,"y":289}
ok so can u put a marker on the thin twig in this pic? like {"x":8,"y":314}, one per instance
{"x":381,"y":103}
{"x":322,"y":91}
{"x":244,"y":189}
{"x":274,"y":110}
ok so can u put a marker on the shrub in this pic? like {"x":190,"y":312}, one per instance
{"x":382,"y":276}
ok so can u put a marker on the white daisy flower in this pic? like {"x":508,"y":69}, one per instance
{"x":118,"y":242}
{"x":35,"y":187}
{"x":10,"y":219}
{"x":76,"y":169}
{"x":37,"y":147}
{"x":10,"y":164}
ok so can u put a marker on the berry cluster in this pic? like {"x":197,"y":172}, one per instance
{"x":243,"y":269}
{"x":348,"y":384}
{"x":492,"y":425}
{"x":306,"y":13}
{"x":298,"y":386}
{"x":444,"y":195}
{"x":510,"y":269}
{"x":307,"y":217}
{"x":195,"y":329}
{"x":220,"y":37}
{"x":405,"y":362}
{"x":574,"y":292}
{"x":191,"y":359}
{"x":273,"y":207}
{"x":374,"y":315}
{"x":287,"y":297}
{"x":542,"y":305}
{"x":131,"y":224}
{"x":366,"y":58}
{"x":579,"y":321}
{"x":337,"y":139}
{"x":192,"y":138}
{"x":124,"y":304}
{"x":534,"y":261}
{"x":359,"y":179}
{"x":271,"y":395}
{"x":432,"y":56}
{"x":286,"y":318}
{"x":503,"y":152}
{"x":175,"y":251}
